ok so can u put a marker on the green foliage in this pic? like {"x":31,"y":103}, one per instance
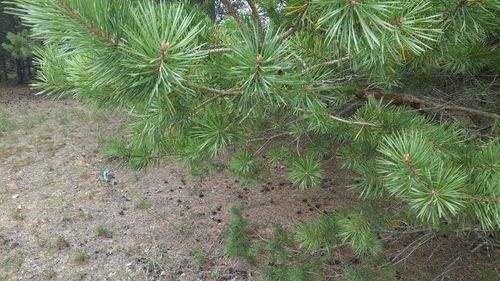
{"x":487,"y":274}
{"x":18,"y":44}
{"x":352,"y":274}
{"x":414,"y":170}
{"x":242,"y":164}
{"x":238,"y":237}
{"x":213,"y":133}
{"x":322,"y":234}
{"x":277,"y":156}
{"x":103,"y":231}
{"x":300,"y":254}
{"x":306,"y":172}
{"x":80,"y":257}
{"x":244,"y":89}
{"x":115,"y":149}
{"x":6,"y":122}
{"x":360,"y":232}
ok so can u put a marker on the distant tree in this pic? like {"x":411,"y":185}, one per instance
{"x":20,"y":48}
{"x":8,"y":24}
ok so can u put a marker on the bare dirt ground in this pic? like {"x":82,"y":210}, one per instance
{"x":60,"y":221}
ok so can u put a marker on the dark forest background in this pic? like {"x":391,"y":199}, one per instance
{"x":15,"y":50}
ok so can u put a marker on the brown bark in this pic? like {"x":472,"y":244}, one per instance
{"x":422,"y":103}
{"x":3,"y":65}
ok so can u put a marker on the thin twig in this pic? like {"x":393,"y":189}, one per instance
{"x":218,"y":51}
{"x":260,"y":27}
{"x":349,"y":107}
{"x":327,"y":63}
{"x":353,"y":122}
{"x":90,"y":28}
{"x":422,"y":240}
{"x":447,"y":269}
{"x":421,"y":103}
{"x":209,"y":89}
{"x":269,"y":138}
{"x":286,"y":34}
{"x":359,"y":123}
{"x":455,"y":9}
{"x":230,"y":9}
{"x":214,"y":98}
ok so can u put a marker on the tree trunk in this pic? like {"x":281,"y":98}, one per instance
{"x":28,"y":67}
{"x":3,"y":70}
{"x":20,"y":71}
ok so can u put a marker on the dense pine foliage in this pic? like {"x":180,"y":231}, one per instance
{"x":273,"y":84}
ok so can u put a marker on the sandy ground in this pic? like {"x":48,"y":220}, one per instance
{"x":60,"y":221}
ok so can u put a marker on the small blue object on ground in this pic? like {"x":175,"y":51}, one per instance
{"x":106,"y":175}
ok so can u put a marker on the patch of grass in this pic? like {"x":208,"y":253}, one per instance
{"x":143,"y":204}
{"x":63,"y":118}
{"x":215,"y":273}
{"x":80,"y":257}
{"x":57,"y":202}
{"x":16,"y":214}
{"x":151,"y":266}
{"x":4,"y":189}
{"x":486,"y":273}
{"x":49,"y":273}
{"x":137,"y":177}
{"x":6,"y":123}
{"x":85,"y":175}
{"x":12,"y":262}
{"x":58,"y":243}
{"x":183,"y":228}
{"x":84,"y":214}
{"x":32,"y":121}
{"x":103,"y":231}
{"x":152,"y":259}
{"x":201,"y":256}
{"x":67,"y":218}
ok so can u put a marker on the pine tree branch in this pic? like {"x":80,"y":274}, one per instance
{"x":72,"y":13}
{"x":209,"y":89}
{"x":422,"y":103}
{"x":258,"y":19}
{"x":349,"y":108}
{"x":163,"y":53}
{"x":232,"y":12}
{"x":482,"y":199}
{"x":413,"y":170}
{"x":455,"y":9}
{"x":326,"y":63}
{"x":221,"y":95}
{"x":353,"y":122}
{"x":359,"y":123}
{"x":218,"y":51}
{"x":414,"y":246}
{"x":286,"y":34}
{"x":270,"y":138}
